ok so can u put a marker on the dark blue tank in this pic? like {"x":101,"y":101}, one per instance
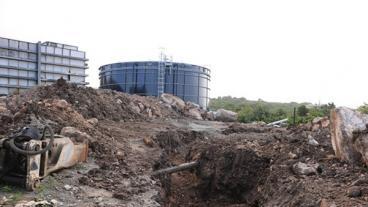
{"x":189,"y":82}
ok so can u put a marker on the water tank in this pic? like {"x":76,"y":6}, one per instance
{"x":151,"y":78}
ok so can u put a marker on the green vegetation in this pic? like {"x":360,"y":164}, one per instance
{"x":43,"y":187}
{"x":305,"y":114}
{"x":14,"y":194}
{"x":363,"y":109}
{"x":250,"y":111}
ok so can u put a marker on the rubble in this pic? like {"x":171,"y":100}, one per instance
{"x":130,"y":137}
{"x":43,"y":203}
{"x":67,"y":187}
{"x":305,"y":169}
{"x":93,"y":121}
{"x":354,"y":192}
{"x":312,"y":141}
{"x":320,"y":123}
{"x":173,"y":101}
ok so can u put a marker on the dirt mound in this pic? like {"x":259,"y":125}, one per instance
{"x":242,"y":128}
{"x":173,"y":140}
{"x":92,"y":103}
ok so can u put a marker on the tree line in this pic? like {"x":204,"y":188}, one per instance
{"x":252,"y":111}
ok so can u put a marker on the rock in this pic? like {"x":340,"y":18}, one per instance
{"x":317,"y":120}
{"x":121,"y":196}
{"x":325,"y":203}
{"x":2,"y":108}
{"x":141,"y":106}
{"x":54,"y":202}
{"x":354,"y":192}
{"x":120,"y":154}
{"x":312,"y":141}
{"x":225,"y":115}
{"x":3,"y":200}
{"x":194,"y":113}
{"x":118,"y":101}
{"x":135,"y":108}
{"x":192,"y":105}
{"x":75,"y":134}
{"x":319,"y":123}
{"x":149,"y":112}
{"x":325,"y":123}
{"x":305,"y":169}
{"x":174,"y":101}
{"x":60,"y":103}
{"x":292,"y":155}
{"x":33,"y":204}
{"x":349,"y":135}
{"x":67,"y":187}
{"x":210,"y":115}
{"x":93,"y":121}
{"x":148,"y":141}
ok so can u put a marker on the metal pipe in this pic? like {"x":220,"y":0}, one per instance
{"x":181,"y":167}
{"x":277,"y":122}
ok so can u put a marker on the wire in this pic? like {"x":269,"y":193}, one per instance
{"x":15,"y":148}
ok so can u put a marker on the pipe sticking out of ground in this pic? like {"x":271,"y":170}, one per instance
{"x":181,"y":167}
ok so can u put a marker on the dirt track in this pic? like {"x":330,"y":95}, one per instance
{"x":239,"y":164}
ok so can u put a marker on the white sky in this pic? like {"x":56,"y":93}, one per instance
{"x":315,"y":50}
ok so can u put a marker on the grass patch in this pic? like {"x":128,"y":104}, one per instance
{"x":46,"y":184}
{"x":13,"y":194}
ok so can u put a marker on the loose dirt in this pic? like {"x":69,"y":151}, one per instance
{"x":238,"y":164}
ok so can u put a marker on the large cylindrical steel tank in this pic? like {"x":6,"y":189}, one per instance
{"x":150,"y":78}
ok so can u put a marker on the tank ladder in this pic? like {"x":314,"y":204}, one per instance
{"x":162,"y":65}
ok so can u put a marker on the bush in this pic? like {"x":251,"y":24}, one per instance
{"x":313,"y":112}
{"x":260,"y":112}
{"x":363,"y":109}
{"x":302,"y":110}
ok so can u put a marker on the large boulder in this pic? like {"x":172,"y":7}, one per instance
{"x":194,"y":113}
{"x":349,"y":135}
{"x":225,"y":115}
{"x":193,"y":110}
{"x":174,"y":101}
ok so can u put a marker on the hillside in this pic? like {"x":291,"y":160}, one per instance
{"x":236,"y":104}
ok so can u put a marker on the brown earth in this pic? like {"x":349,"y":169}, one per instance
{"x":239,"y":164}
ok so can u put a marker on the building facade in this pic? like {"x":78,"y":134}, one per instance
{"x":152,"y":78}
{"x":25,"y":64}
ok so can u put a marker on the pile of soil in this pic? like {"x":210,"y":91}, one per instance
{"x":243,"y":128}
{"x":92,"y":103}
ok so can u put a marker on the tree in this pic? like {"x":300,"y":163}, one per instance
{"x":261,"y":113}
{"x":302,"y":110}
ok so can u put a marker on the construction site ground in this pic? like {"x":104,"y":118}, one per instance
{"x":238,"y":164}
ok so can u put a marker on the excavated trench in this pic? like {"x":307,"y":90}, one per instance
{"x":226,"y":173}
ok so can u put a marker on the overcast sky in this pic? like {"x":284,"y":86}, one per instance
{"x":314,"y":51}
